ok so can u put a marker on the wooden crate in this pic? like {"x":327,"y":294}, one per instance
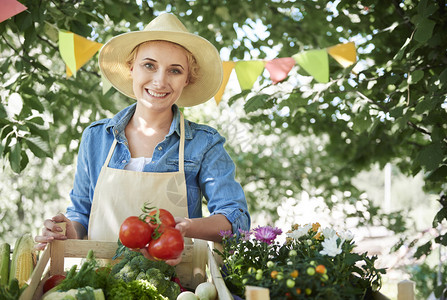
{"x":52,"y":261}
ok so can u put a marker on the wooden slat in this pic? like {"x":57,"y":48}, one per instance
{"x":57,"y":257}
{"x":80,"y":248}
{"x":256,"y":293}
{"x":222,"y":291}
{"x":405,"y":290}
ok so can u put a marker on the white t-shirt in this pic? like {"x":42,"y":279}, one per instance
{"x":137,"y":164}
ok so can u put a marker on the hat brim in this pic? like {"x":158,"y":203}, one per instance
{"x":113,"y":55}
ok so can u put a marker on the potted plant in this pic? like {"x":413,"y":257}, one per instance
{"x":312,"y":263}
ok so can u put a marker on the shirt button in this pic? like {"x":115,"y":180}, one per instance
{"x":116,"y":131}
{"x":160,"y":148}
{"x":124,"y":161}
{"x":125,"y":143}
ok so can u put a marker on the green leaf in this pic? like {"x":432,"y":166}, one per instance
{"x":438,"y":175}
{"x":440,"y":216}
{"x":39,"y":147}
{"x":431,"y":156}
{"x":424,"y":30}
{"x":15,"y":156}
{"x":416,"y":76}
{"x":3,"y":113}
{"x":423,"y":250}
{"x":237,"y":96}
{"x":256,"y":102}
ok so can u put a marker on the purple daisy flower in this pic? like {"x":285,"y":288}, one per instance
{"x":245,"y":235}
{"x":226,"y":233}
{"x":266,"y":234}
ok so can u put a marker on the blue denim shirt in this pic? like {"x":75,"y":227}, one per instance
{"x":209,"y":170}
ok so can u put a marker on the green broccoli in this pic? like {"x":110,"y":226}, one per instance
{"x":126,"y":273}
{"x":141,"y":263}
{"x":172,"y":291}
{"x":117,"y":267}
{"x":157,"y":278}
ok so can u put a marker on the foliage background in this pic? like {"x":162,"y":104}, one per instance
{"x":292,"y":139}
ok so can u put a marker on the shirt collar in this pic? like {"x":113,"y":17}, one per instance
{"x":119,"y":121}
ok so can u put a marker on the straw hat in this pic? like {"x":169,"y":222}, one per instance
{"x":113,"y":55}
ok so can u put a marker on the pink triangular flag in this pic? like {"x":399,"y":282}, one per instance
{"x":10,"y":8}
{"x":279,"y":68}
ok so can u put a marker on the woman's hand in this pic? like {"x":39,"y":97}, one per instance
{"x":171,"y":262}
{"x":51,"y":231}
{"x":182,"y":224}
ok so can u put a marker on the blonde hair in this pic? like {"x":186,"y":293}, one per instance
{"x":193,"y":66}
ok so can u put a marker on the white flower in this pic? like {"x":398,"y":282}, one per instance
{"x":329,"y":233}
{"x":301,"y":231}
{"x":330,"y":246}
{"x":346,"y":235}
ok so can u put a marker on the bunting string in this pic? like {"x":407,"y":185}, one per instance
{"x":76,"y":50}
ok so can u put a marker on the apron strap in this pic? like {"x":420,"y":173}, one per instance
{"x":181,"y":150}
{"x":109,"y":156}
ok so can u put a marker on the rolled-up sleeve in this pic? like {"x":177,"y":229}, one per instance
{"x":217,"y":181}
{"x":79,"y":210}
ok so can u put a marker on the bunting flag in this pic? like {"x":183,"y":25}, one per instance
{"x":314,"y":62}
{"x":76,"y":50}
{"x":248,"y":72}
{"x":344,"y":54}
{"x":106,"y":85}
{"x":228,"y":67}
{"x":279,"y":68}
{"x":10,"y":8}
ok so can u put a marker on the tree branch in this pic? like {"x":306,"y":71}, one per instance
{"x":417,"y":128}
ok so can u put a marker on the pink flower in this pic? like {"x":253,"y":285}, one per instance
{"x":266,"y":234}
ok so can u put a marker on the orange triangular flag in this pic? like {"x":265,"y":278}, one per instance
{"x":228,"y":67}
{"x":279,"y":68}
{"x":344,"y":54}
{"x":10,"y":8}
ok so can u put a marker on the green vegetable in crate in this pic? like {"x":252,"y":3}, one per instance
{"x":12,"y":291}
{"x":84,"y":293}
{"x":5,"y":249}
{"x":23,"y":257}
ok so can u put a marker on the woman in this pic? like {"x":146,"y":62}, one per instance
{"x":147,"y":152}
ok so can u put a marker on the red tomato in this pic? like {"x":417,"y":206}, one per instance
{"x":169,"y":245}
{"x":134,"y":233}
{"x":166,"y":218}
{"x":52,"y":281}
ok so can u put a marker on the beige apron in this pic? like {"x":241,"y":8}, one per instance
{"x":122,"y":193}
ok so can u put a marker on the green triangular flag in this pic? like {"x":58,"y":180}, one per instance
{"x":314,"y":62}
{"x":66,"y":49}
{"x":106,"y":85}
{"x":248,"y":72}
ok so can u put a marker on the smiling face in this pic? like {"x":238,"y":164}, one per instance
{"x":159,"y":72}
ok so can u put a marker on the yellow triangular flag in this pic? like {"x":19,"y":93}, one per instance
{"x":314,"y":62}
{"x":248,"y":72}
{"x":344,"y":54}
{"x":228,"y":67}
{"x":68,"y":71}
{"x":76,"y":50}
{"x":84,"y":50}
